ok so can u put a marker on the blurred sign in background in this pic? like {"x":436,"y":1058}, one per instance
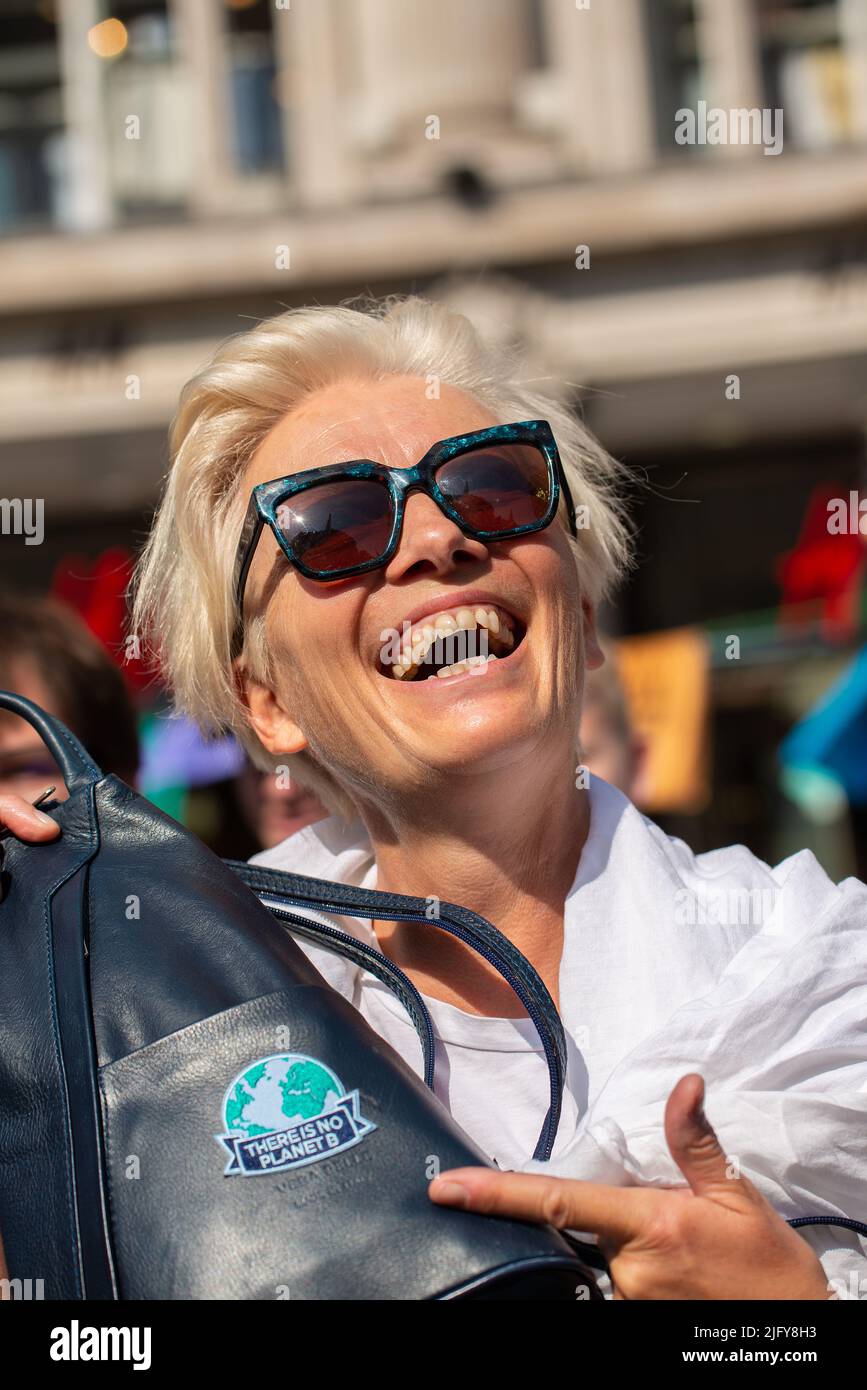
{"x":171,"y":170}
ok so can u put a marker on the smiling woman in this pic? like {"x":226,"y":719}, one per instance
{"x":312,"y":366}
{"x":356,"y":493}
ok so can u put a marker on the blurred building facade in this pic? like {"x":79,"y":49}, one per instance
{"x":172,"y":169}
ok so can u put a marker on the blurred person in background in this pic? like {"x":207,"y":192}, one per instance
{"x":610,"y":747}
{"x":49,"y":656}
{"x":275,"y":805}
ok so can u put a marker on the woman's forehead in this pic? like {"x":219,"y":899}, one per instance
{"x":391,"y":421}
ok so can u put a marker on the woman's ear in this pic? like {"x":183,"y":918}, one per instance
{"x":273,"y":726}
{"x":594,"y":656}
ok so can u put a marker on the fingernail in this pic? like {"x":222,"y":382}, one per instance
{"x":41,"y":817}
{"x":453,"y":1194}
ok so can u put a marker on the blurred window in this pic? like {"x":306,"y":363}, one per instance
{"x":148,"y":114}
{"x":30,"y":115}
{"x":805,"y":70}
{"x":538,"y":54}
{"x":672,"y":30}
{"x":253,"y":86}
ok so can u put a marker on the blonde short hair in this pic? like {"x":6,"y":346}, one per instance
{"x":183,"y":601}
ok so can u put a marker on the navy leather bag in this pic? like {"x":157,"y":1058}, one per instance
{"x":187,"y":1109}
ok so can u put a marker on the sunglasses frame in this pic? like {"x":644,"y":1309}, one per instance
{"x":267,"y":497}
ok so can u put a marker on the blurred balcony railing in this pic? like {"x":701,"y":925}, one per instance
{"x":31,"y":120}
{"x":114,"y":111}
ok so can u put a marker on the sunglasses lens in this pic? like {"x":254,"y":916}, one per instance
{"x":335,"y":526}
{"x":499,"y":488}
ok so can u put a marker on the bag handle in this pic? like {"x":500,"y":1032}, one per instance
{"x":346,"y":900}
{"x":72,"y":758}
{"x":342,"y":944}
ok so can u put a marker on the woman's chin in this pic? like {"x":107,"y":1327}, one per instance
{"x":466,"y":739}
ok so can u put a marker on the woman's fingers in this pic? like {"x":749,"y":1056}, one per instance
{"x":613,"y":1213}
{"x":716,"y":1239}
{"x":696,"y":1149}
{"x":25,"y":821}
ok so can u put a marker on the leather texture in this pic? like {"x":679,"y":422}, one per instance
{"x":139,"y":977}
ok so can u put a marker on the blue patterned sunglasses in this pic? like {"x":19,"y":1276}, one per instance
{"x":346,"y":519}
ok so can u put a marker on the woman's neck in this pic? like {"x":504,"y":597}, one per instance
{"x":505,"y":848}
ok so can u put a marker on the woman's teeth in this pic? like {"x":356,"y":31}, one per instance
{"x":440,"y":631}
{"x":469,"y":663}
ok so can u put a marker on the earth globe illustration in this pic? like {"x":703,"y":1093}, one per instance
{"x":278,"y":1092}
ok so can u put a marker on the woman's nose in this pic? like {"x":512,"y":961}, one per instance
{"x":430,"y":538}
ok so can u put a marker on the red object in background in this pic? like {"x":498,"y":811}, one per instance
{"x":97,"y":591}
{"x":823,"y":572}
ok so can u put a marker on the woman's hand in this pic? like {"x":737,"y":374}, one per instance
{"x":717,"y":1239}
{"x":25,"y":821}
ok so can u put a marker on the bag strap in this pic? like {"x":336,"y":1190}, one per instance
{"x":848,"y":1223}
{"x":342,"y":899}
{"x":72,"y":758}
{"x":342,"y":944}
